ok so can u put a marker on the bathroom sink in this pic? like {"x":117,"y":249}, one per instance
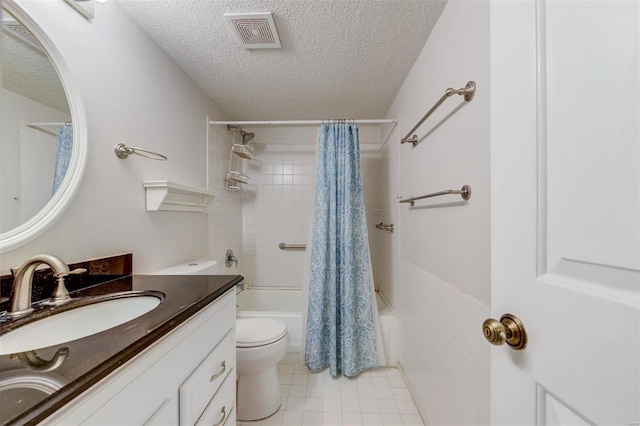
{"x":80,"y":318}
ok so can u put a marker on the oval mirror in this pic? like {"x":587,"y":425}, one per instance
{"x":44,"y":137}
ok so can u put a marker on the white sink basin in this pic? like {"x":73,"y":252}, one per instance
{"x":101,"y":314}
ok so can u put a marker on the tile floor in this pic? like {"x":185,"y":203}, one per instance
{"x":374,"y":397}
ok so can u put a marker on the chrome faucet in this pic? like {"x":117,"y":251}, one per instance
{"x":20,"y":303}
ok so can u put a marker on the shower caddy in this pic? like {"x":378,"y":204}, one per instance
{"x":236,"y":179}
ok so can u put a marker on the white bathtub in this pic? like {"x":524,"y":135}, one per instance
{"x":287,"y":305}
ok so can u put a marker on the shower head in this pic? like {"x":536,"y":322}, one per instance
{"x":246,"y":137}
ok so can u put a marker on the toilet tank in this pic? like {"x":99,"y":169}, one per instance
{"x":204,"y":266}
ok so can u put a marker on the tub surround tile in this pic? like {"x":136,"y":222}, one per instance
{"x":280,"y":208}
{"x":458,"y":368}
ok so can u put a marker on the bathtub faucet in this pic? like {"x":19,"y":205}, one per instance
{"x":230,"y":259}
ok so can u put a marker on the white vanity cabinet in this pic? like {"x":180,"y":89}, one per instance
{"x":185,"y":378}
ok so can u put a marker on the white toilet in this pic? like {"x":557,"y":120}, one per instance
{"x":204,"y":266}
{"x":260,"y":344}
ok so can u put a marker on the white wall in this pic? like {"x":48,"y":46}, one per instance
{"x":440,"y":274}
{"x":133,"y":93}
{"x":27,"y":158}
{"x":278,"y":202}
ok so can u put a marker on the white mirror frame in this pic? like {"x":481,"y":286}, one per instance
{"x":70,"y":184}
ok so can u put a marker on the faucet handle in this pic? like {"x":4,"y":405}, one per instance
{"x":61,"y":294}
{"x":77,"y":271}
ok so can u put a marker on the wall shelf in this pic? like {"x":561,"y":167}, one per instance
{"x":164,"y":195}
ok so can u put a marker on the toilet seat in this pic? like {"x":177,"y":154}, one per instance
{"x":253,"y":332}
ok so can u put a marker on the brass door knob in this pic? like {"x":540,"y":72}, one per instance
{"x":509,"y":329}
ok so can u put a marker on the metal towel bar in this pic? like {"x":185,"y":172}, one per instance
{"x":285,"y":246}
{"x":123,"y":151}
{"x":465,"y":191}
{"x":468,"y":91}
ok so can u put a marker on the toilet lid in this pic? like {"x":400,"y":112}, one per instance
{"x":258,"y":331}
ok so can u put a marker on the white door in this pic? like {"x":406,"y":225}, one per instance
{"x":565,"y":210}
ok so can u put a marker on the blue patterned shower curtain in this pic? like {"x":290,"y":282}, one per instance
{"x":63,"y":155}
{"x":342,"y":332}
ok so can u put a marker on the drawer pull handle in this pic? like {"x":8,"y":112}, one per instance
{"x":222,"y":419}
{"x":219,"y":373}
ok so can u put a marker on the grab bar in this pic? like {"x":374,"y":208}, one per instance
{"x":285,"y":246}
{"x":468,"y":91}
{"x":384,"y":227}
{"x":465,"y":192}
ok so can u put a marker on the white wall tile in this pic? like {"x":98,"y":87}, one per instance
{"x":278,"y":207}
{"x":445,"y":362}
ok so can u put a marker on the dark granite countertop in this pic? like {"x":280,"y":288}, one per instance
{"x":94,"y":357}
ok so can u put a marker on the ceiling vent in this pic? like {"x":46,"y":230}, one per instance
{"x":254,"y":30}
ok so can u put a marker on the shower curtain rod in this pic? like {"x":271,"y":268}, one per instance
{"x":41,"y":127}
{"x":300,"y":122}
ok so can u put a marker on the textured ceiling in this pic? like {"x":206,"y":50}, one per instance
{"x":339,"y":58}
{"x":30,"y":73}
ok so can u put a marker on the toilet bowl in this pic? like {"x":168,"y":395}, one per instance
{"x":260,"y":344}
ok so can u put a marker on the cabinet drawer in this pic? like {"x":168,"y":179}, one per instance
{"x":222,"y":405}
{"x":203,"y":383}
{"x":166,"y":414}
